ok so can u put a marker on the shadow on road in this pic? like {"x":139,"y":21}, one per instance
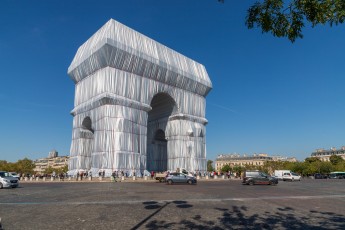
{"x":238,"y":217}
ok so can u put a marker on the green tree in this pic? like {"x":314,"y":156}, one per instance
{"x":286,"y":18}
{"x":335,"y":159}
{"x":226,"y":168}
{"x":4,"y":165}
{"x":210,"y":166}
{"x":238,"y":170}
{"x":312,"y":159}
{"x":49,"y":170}
{"x":25,"y":166}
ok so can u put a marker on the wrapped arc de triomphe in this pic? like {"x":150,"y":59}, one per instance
{"x":138,"y":106}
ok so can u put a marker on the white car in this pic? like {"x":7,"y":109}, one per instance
{"x":14,"y":174}
{"x":7,"y":181}
{"x":291,"y":176}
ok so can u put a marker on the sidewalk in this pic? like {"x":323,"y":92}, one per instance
{"x":108,"y":179}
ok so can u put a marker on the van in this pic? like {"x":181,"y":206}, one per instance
{"x":279,"y":173}
{"x":257,"y":177}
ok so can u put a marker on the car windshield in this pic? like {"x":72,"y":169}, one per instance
{"x":294,"y":174}
{"x":4,"y":174}
{"x":263,"y":174}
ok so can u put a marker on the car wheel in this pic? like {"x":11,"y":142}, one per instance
{"x":161,"y":180}
{"x":170,"y":182}
{"x":1,"y":186}
{"x":292,"y":179}
{"x":251,"y":183}
{"x":190,"y":182}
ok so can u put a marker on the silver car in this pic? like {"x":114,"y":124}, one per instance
{"x":180,"y":178}
{"x":7,"y":181}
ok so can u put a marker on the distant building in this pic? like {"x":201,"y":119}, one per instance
{"x":324,"y":155}
{"x":53,"y":154}
{"x":282,"y":158}
{"x":53,"y":160}
{"x":254,"y":160}
{"x":238,"y":160}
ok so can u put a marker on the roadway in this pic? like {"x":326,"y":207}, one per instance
{"x":222,"y":204}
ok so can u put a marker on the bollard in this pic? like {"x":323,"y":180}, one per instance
{"x":44,"y":178}
{"x":122,"y":178}
{"x":52,"y":179}
{"x":37,"y":178}
{"x":206,"y":177}
{"x":69,"y":178}
{"x":31,"y":178}
{"x":198,"y":177}
{"x":145,"y":177}
{"x":100,"y":178}
{"x":223,"y":177}
{"x":133,"y":177}
{"x":90,"y":178}
{"x":215,"y":177}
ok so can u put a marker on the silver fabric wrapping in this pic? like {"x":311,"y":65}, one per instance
{"x":130,"y":87}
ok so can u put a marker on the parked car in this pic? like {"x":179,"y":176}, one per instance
{"x":180,"y":178}
{"x":7,"y":181}
{"x":257,"y":177}
{"x":320,"y":176}
{"x":291,"y":176}
{"x":14,"y":174}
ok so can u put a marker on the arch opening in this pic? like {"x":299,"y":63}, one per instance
{"x":87,"y":124}
{"x":163,"y":106}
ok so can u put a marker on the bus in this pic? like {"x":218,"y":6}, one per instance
{"x":337,"y":175}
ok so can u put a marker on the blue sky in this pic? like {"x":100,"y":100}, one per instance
{"x":269,"y":95}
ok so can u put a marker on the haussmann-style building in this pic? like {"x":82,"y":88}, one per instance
{"x":139,"y":105}
{"x":53,"y":160}
{"x":324,"y":154}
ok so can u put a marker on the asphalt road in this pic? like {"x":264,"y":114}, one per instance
{"x":224,"y":204}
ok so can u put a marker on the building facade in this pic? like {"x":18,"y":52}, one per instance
{"x":53,"y":160}
{"x":139,"y":105}
{"x":324,"y":155}
{"x":247,"y":160}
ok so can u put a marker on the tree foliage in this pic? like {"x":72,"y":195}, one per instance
{"x":286,"y":18}
{"x":24,"y":166}
{"x":226,"y":168}
{"x":335,"y":159}
{"x":209,"y":166}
